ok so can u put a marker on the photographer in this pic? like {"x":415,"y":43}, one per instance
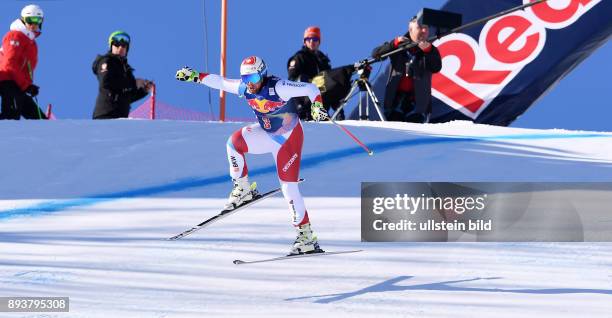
{"x":118,"y":88}
{"x":408,"y":90}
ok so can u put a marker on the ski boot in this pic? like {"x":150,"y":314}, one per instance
{"x":305,"y":243}
{"x":241,"y":193}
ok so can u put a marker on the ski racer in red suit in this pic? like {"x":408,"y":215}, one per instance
{"x":279,"y":132}
{"x":18,"y":59}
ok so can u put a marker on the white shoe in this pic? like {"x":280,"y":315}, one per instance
{"x":305,"y":243}
{"x":241,"y":193}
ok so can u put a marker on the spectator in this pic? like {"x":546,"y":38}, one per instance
{"x":408,"y":92}
{"x":18,"y":59}
{"x":118,"y":88}
{"x":305,"y":64}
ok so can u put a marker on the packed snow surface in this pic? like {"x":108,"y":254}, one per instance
{"x":86,"y":206}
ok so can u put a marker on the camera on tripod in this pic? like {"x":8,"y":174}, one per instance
{"x":443,"y":22}
{"x":363,"y":69}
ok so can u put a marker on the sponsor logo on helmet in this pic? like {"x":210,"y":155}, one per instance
{"x":475,"y":72}
{"x":249,"y":60}
{"x":252,"y":64}
{"x":290,"y":162}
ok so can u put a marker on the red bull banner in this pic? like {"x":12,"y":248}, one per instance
{"x":493,"y":73}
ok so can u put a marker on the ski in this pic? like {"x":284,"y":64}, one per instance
{"x":282,"y":258}
{"x":226,"y":212}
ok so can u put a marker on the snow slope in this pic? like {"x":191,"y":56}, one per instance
{"x":85,"y":207}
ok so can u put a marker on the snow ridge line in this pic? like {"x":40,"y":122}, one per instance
{"x":308,"y":162}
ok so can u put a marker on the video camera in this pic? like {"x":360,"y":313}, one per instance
{"x":443,"y":21}
{"x":362,"y":68}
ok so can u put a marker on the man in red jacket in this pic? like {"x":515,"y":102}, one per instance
{"x":18,"y":58}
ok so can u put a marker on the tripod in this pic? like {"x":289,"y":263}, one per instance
{"x":363,"y":86}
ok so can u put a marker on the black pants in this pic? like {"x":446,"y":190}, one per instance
{"x":303,"y":107}
{"x":16,"y":103}
{"x":405,"y":110}
{"x":114,"y":114}
{"x":403,"y":104}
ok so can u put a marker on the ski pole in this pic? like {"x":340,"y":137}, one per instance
{"x":370,"y":152}
{"x":49,"y":111}
{"x":38,"y":108}
{"x":34,"y":97}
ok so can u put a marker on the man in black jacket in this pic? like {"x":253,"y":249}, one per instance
{"x":118,"y":88}
{"x":408,"y":92}
{"x":306,"y":64}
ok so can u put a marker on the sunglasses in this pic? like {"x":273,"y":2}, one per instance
{"x":33,"y":20}
{"x":251,"y":78}
{"x":314,"y":39}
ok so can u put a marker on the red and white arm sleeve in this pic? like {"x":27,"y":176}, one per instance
{"x":15,"y":60}
{"x":217,"y":82}
{"x":289,"y":89}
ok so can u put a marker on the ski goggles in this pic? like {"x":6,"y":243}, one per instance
{"x":120,"y":44}
{"x":33,"y":20}
{"x":251,"y":78}
{"x":120,"y":40}
{"x":314,"y":39}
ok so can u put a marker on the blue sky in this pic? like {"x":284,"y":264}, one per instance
{"x":167,"y":35}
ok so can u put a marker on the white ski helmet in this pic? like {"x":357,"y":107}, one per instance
{"x":32,"y":10}
{"x":253,"y":64}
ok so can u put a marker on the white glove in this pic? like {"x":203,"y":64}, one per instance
{"x":186,"y":74}
{"x":317,"y":112}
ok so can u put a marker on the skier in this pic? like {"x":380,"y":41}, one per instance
{"x":279,"y":132}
